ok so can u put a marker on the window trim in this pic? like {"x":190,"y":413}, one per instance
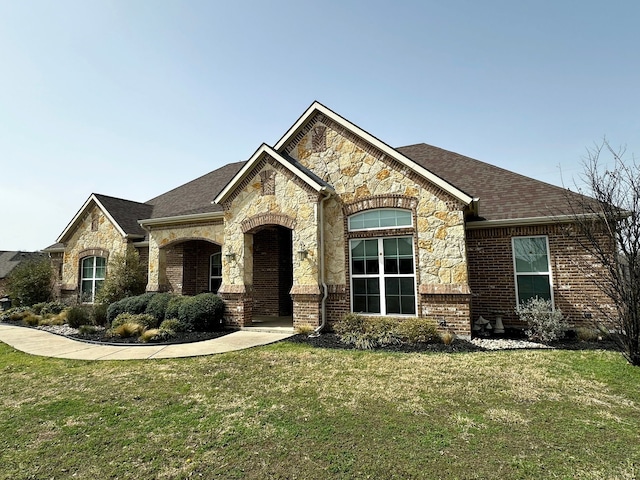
{"x":382,"y":276}
{"x":211,"y":276}
{"x":548,"y":273}
{"x":370,"y":229}
{"x":93,"y":278}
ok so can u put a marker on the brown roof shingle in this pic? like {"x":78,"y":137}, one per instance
{"x":503,"y":195}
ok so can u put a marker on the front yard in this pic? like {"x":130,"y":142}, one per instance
{"x":294,"y":411}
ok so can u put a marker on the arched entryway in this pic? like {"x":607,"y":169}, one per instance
{"x":272,"y":275}
{"x":193,"y":267}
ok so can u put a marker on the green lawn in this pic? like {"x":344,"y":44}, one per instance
{"x":290,"y":411}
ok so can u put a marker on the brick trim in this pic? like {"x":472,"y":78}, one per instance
{"x":380,"y":201}
{"x":262,"y":219}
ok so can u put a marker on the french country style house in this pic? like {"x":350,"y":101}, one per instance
{"x":332,"y":220}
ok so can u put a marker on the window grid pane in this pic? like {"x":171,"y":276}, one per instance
{"x":532,"y":268}
{"x":382,"y":218}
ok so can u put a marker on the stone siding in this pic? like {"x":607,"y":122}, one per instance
{"x":95,"y":235}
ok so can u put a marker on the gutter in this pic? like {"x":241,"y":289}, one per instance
{"x":196,"y":217}
{"x":325,"y":289}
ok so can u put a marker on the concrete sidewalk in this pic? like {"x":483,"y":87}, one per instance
{"x":39,"y":342}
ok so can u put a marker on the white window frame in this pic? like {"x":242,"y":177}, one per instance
{"x":364,"y":229}
{"x":381,"y":276}
{"x":92,"y":279}
{"x":547,"y":273}
{"x":211,"y":275}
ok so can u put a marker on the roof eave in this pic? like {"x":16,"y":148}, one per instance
{"x":517,"y":222}
{"x":175,"y":220}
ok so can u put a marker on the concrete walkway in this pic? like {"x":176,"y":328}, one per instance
{"x":39,"y":342}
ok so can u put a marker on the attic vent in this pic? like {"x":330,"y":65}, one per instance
{"x":268,"y":178}
{"x":319,"y":138}
{"x":94,"y":222}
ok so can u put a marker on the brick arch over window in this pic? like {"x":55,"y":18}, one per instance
{"x":380,"y":201}
{"x":262,"y":219}
{"x":93,"y":252}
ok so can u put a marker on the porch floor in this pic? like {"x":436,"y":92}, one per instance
{"x":263,"y":323}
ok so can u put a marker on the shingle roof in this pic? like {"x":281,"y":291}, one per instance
{"x":195,"y":196}
{"x":126,"y":213}
{"x":10,"y":260}
{"x":503,"y":195}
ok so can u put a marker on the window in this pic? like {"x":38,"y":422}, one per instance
{"x":379,"y":219}
{"x":382,"y":276}
{"x":532,"y":268}
{"x":93,"y":271}
{"x":215,"y":269}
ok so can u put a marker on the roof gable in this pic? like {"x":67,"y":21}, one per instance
{"x":309,"y":117}
{"x":308,"y":177}
{"x":123,"y":214}
{"x":10,"y":260}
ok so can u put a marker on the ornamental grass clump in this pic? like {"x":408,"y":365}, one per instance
{"x":368,"y":333}
{"x":128,"y":329}
{"x":544,"y":323}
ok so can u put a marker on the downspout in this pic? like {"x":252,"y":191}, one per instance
{"x":325,"y":289}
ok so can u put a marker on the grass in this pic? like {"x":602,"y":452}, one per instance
{"x":290,"y":411}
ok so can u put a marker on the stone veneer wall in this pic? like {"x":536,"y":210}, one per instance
{"x":103,"y":239}
{"x":493,"y":282}
{"x":364,"y":178}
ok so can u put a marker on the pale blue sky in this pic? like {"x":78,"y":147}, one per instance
{"x":133,"y":98}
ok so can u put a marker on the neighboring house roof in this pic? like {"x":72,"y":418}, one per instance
{"x":502,"y":194}
{"x":10,"y":260}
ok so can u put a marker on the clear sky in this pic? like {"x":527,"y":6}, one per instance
{"x":132,"y":98}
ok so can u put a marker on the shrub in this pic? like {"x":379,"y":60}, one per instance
{"x":157,"y":335}
{"x":174,"y":325}
{"x":52,"y":308}
{"x":31,"y":282}
{"x":418,"y":330}
{"x":126,"y":277}
{"x":369,"y":333}
{"x":585,"y":334}
{"x":32,"y":319}
{"x":157,"y":305}
{"x":173,"y":306}
{"x":448,"y":338}
{"x":142,"y":319}
{"x":544,"y":323}
{"x":203,"y":313}
{"x":138,"y":303}
{"x":87,"y":329}
{"x":115,"y":309}
{"x":128,"y":329}
{"x":77,"y":316}
{"x":99,"y":314}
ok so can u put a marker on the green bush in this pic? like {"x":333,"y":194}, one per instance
{"x":203,"y":313}
{"x":418,"y":330}
{"x":87,"y":329}
{"x":174,"y":325}
{"x":173,"y":306}
{"x":115,"y":309}
{"x":138,"y":303}
{"x":52,"y":308}
{"x":157,"y":305}
{"x":99,"y":314}
{"x":126,"y":277}
{"x":31,"y":282}
{"x":544,"y":323}
{"x":77,"y":316}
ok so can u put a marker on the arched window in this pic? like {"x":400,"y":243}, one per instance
{"x":215,"y":271}
{"x":379,"y":219}
{"x":382,"y":268}
{"x":93,"y":270}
